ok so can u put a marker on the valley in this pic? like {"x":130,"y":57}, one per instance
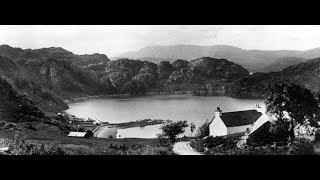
{"x":38,"y":84}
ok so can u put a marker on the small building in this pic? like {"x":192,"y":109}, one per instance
{"x":87,"y":134}
{"x":232,"y":122}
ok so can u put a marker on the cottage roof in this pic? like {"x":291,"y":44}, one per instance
{"x":240,"y":118}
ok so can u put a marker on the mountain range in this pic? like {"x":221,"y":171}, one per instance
{"x":252,"y":60}
{"x":35,"y":83}
{"x":49,"y":76}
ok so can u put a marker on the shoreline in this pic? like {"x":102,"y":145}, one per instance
{"x":137,"y":123}
{"x":87,"y":98}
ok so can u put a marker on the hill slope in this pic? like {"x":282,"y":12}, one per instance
{"x":305,"y":74}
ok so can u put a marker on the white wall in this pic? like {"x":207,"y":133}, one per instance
{"x":237,"y":129}
{"x":217,"y":127}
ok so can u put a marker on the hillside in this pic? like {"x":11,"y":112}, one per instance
{"x":136,"y":77}
{"x":50,"y":75}
{"x":283,"y":63}
{"x":58,"y":70}
{"x":305,"y":74}
{"x":29,"y":85}
{"x":252,"y":60}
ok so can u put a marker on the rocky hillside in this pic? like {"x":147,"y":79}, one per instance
{"x":305,"y":74}
{"x":59,"y":72}
{"x":135,"y":76}
{"x":13,"y":103}
{"x":252,"y":60}
{"x":24,"y":82}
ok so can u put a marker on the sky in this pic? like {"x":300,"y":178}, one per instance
{"x":113,"y":40}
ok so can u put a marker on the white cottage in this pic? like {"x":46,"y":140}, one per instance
{"x":232,"y":122}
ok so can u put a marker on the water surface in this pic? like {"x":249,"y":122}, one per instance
{"x":195,"y":109}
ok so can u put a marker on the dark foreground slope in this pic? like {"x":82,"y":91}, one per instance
{"x":25,"y":83}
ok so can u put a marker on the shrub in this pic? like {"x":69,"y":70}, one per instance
{"x":10,"y":125}
{"x":162,"y":141}
{"x":203,"y":131}
{"x":149,"y":150}
{"x":31,"y":127}
{"x":2,"y":123}
{"x":81,"y":129}
{"x":317,"y":135}
{"x":172,"y":129}
{"x":261,"y":150}
{"x":198,"y":145}
{"x":280,"y":130}
{"x":210,"y":142}
{"x":300,"y":146}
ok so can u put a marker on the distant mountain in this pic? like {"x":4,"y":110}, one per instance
{"x":305,"y":74}
{"x":151,"y":59}
{"x":252,"y":60}
{"x":282,"y":63}
{"x":53,"y":53}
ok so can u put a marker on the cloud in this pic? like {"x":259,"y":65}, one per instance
{"x":115,"y":39}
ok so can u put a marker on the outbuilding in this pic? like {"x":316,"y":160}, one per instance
{"x":87,"y":134}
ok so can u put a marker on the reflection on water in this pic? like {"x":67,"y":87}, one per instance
{"x":195,"y":109}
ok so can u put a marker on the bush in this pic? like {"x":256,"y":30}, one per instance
{"x":31,"y":127}
{"x":197,"y":145}
{"x":172,"y":129}
{"x":162,"y":141}
{"x":317,"y":135}
{"x":203,"y":131}
{"x":211,"y":142}
{"x":261,"y":150}
{"x":149,"y":150}
{"x":300,"y":146}
{"x":2,"y":123}
{"x":81,"y":129}
{"x":280,"y":130}
{"x":10,"y":125}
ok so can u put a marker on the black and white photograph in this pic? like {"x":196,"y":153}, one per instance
{"x":172,"y":90}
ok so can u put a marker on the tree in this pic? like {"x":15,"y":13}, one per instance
{"x":291,"y":105}
{"x":192,"y":127}
{"x":173,"y":129}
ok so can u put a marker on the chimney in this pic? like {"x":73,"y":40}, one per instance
{"x":218,"y":112}
{"x":259,"y":108}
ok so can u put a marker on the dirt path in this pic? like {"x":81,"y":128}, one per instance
{"x":183,"y":148}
